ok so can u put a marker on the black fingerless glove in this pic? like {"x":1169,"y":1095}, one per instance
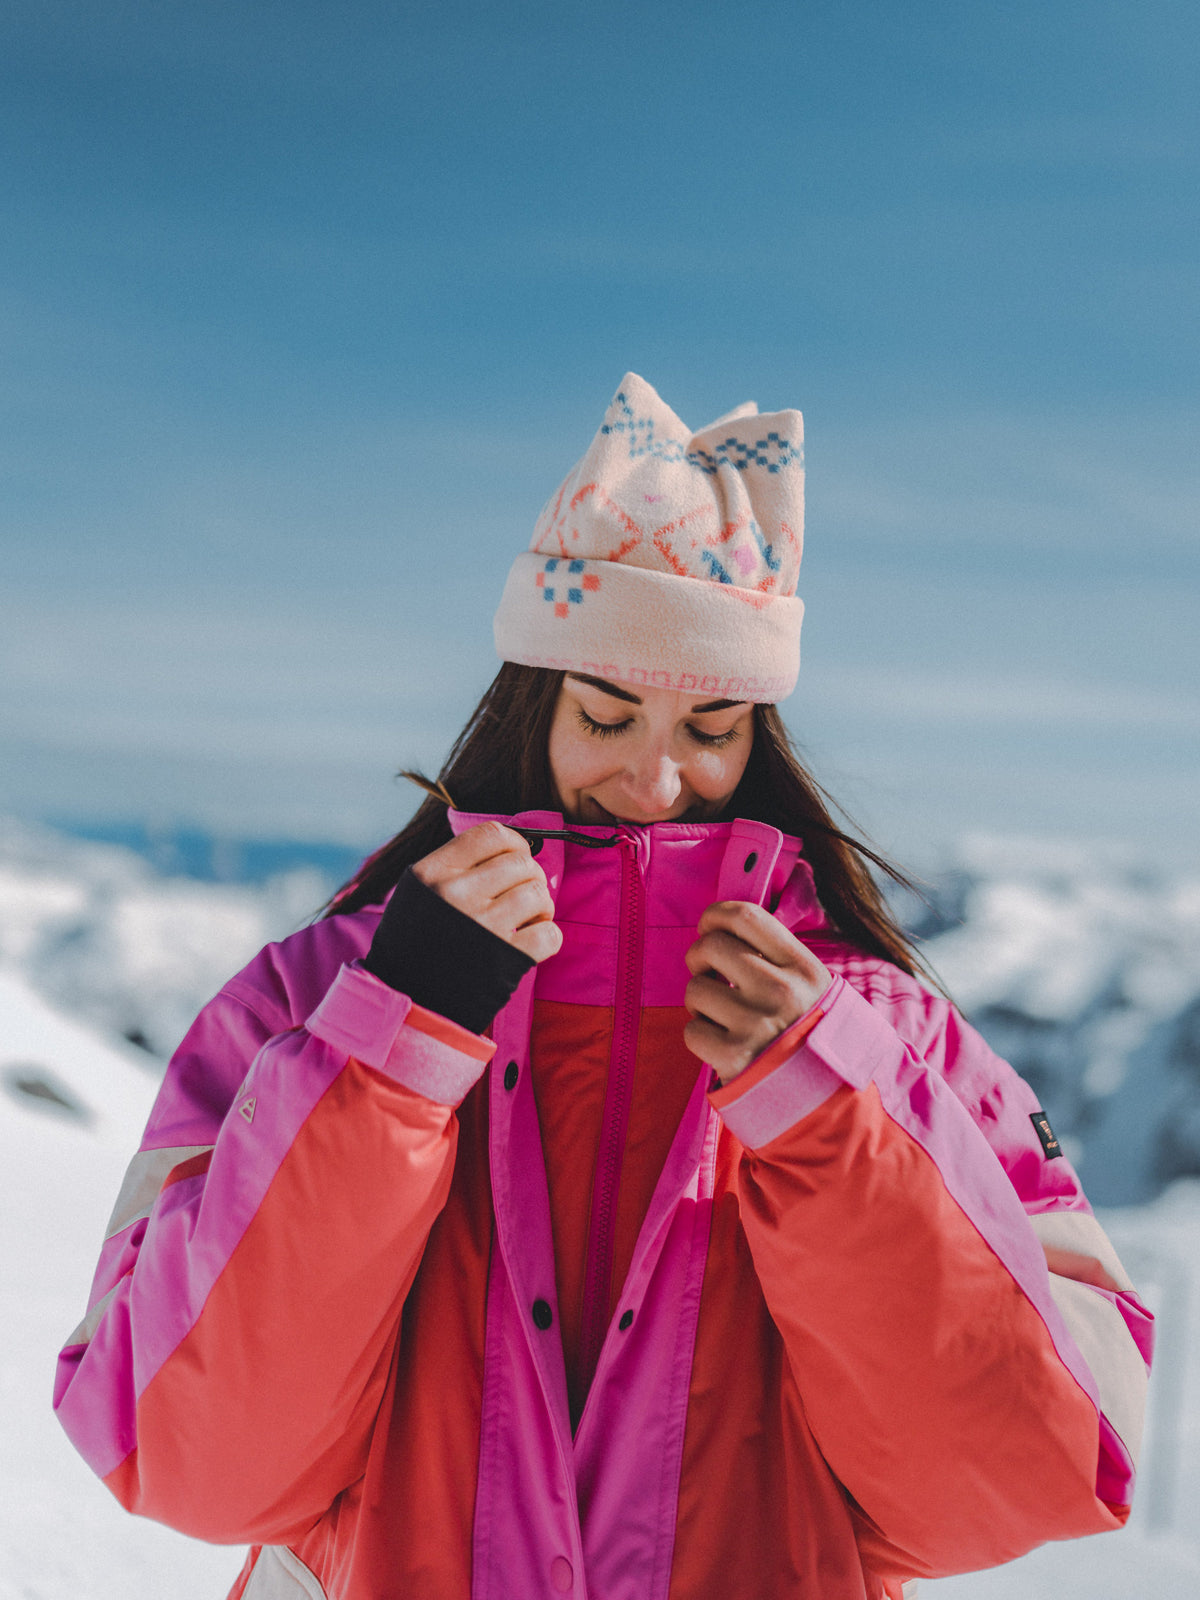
{"x":441,"y":958}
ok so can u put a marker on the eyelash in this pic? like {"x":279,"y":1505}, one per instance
{"x":610,"y":730}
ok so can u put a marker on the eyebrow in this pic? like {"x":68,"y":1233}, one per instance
{"x":633,"y":699}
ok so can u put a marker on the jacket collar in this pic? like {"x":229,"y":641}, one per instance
{"x":759,"y":862}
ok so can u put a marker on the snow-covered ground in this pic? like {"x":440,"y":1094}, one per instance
{"x":135,"y":953}
{"x":62,"y":1536}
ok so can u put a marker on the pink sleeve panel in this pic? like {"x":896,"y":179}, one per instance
{"x":230,"y":1366}
{"x":935,"y":1365}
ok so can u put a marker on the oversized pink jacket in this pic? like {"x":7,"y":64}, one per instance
{"x":583,"y":1322}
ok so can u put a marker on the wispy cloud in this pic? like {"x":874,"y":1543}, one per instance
{"x":927,"y":700}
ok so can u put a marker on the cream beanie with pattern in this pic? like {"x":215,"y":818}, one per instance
{"x":669,"y":558}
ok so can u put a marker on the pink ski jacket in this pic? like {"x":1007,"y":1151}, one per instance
{"x":588,"y":1323}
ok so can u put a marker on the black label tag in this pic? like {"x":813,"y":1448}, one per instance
{"x":1041,"y":1124}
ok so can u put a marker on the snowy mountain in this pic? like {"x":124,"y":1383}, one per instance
{"x":107,"y":937}
{"x":1082,"y":968}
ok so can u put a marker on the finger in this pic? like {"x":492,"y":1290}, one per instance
{"x":524,"y":904}
{"x":756,"y":927}
{"x":478,"y":844}
{"x":718,"y":951}
{"x":716,"y":1048}
{"x":716,"y":1001}
{"x":474,"y":890}
{"x":761,"y":991}
{"x":729,"y":1008}
{"x":540,"y":940}
{"x":769,"y":939}
{"x":741,"y":965}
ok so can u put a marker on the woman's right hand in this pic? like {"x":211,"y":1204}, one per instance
{"x":489,"y":874}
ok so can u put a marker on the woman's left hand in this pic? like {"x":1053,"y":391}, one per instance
{"x":751,"y":979}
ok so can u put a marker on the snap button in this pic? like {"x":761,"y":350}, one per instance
{"x":749,"y":863}
{"x":562,"y":1575}
{"x":626,"y":1320}
{"x":510,"y":1075}
{"x":542,"y":1314}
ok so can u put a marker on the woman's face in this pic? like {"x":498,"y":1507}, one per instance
{"x":645,"y":755}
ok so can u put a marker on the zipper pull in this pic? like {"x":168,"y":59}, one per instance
{"x":538,"y":836}
{"x":636,"y":842}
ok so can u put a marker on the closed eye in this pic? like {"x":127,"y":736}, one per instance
{"x":714,"y":741}
{"x":601,"y":730}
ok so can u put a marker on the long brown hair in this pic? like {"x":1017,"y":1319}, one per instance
{"x":500,"y":763}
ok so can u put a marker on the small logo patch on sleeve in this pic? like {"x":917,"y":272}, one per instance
{"x":1041,"y":1124}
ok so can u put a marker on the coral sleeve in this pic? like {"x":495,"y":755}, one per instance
{"x":949,"y":1387}
{"x":227,"y":1374}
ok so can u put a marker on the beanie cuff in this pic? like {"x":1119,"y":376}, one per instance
{"x":632,"y":625}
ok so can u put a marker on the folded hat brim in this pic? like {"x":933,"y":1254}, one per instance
{"x":631,"y":625}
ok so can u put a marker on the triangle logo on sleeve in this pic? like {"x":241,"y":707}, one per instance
{"x":246,"y":1109}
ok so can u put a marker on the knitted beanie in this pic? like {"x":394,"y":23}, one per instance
{"x":668,"y":558}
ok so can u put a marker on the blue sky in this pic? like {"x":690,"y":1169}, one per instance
{"x":306,"y":309}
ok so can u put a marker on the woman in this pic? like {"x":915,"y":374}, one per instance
{"x":596,"y":1202}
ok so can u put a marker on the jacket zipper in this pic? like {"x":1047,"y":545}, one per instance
{"x":627,"y":1007}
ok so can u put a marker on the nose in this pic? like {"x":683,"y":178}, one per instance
{"x":653,"y":784}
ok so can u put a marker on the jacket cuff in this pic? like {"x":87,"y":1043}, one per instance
{"x":842,"y":1041}
{"x":364,"y":1018}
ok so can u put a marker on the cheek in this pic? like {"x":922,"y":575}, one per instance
{"x":715,"y":774}
{"x":574,"y":758}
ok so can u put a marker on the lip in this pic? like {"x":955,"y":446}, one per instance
{"x":607,"y":818}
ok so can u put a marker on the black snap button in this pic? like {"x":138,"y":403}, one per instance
{"x":542,"y":1314}
{"x":510,"y":1075}
{"x":626,"y":1320}
{"x":535,"y":845}
{"x":748,"y":864}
